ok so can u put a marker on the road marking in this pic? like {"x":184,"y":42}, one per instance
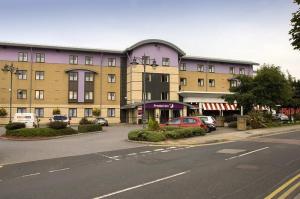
{"x":158,"y":149}
{"x":145,"y":152}
{"x":32,"y":174}
{"x":131,"y":154}
{"x":56,"y":170}
{"x":165,"y":151}
{"x":172,"y":147}
{"x":1,"y":166}
{"x":282,"y":187}
{"x":248,"y":153}
{"x":141,"y":185}
{"x":289,"y":191}
{"x":114,"y":157}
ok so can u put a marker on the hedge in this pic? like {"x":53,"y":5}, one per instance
{"x":89,"y":128}
{"x":57,"y":125}
{"x":185,"y":133}
{"x":145,"y":135}
{"x":15,"y":125}
{"x":40,"y":132}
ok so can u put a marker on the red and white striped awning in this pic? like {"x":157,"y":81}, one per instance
{"x":219,"y":106}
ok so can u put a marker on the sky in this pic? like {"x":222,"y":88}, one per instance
{"x":233,"y":29}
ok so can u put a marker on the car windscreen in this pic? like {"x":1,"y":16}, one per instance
{"x":204,"y":119}
{"x":60,"y":117}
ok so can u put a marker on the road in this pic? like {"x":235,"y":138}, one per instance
{"x":266,"y":167}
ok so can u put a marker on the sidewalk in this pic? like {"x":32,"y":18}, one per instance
{"x":231,"y":136}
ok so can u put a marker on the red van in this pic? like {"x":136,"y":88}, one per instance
{"x":185,"y":122}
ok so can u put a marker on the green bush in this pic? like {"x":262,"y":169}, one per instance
{"x":232,"y":124}
{"x":56,"y":111}
{"x":15,"y":125}
{"x":257,"y":119}
{"x":198,"y":131}
{"x":89,"y":128}
{"x":3,"y":112}
{"x":145,"y":135}
{"x":84,"y":121}
{"x":169,"y":128}
{"x":57,"y":125}
{"x":180,"y":133}
{"x":153,"y":125}
{"x":40,"y":132}
{"x":96,"y":112}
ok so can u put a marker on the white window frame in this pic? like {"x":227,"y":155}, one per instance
{"x":88,"y":60}
{"x":232,"y":70}
{"x":72,"y":112}
{"x":21,"y":110}
{"x":111,"y":62}
{"x":165,"y":61}
{"x":212,"y":83}
{"x":39,"y":94}
{"x":242,"y":71}
{"x":40,"y":57}
{"x":111,"y":78}
{"x":89,"y":95}
{"x":166,"y":76}
{"x":182,"y":67}
{"x":21,"y":94}
{"x":73,"y":59}
{"x":39,"y":75}
{"x":23,"y":57}
{"x":73,"y":95}
{"x":211,"y":68}
{"x":201,"y":82}
{"x":22,"y":74}
{"x":111,"y":112}
{"x":200,"y":68}
{"x":73,"y":76}
{"x":88,"y":112}
{"x":184,"y":82}
{"x":111,"y":96}
{"x":89,"y":77}
{"x":39,"y":112}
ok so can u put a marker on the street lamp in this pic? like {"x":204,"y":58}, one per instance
{"x":12,"y":70}
{"x":143,"y":60}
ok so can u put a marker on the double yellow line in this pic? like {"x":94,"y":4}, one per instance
{"x":284,"y":186}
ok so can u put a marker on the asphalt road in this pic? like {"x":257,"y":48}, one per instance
{"x":246,"y":169}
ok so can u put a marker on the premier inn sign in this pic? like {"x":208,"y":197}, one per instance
{"x":164,"y":105}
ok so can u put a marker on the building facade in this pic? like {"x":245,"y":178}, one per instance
{"x":77,"y":80}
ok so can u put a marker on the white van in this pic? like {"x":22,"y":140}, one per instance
{"x":30,"y":119}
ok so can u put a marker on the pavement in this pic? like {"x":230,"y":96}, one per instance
{"x":261,"y":167}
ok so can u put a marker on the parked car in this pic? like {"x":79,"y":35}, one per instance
{"x":30,"y":119}
{"x":209,"y":121}
{"x":61,"y":118}
{"x":281,"y":117}
{"x":101,"y":120}
{"x":186,"y":122}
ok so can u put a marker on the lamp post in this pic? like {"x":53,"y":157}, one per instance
{"x":12,"y":70}
{"x":143,"y":60}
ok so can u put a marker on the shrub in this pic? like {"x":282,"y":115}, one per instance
{"x":40,"y":132}
{"x":3,"y":112}
{"x":15,"y":125}
{"x":232,"y":124}
{"x":145,"y":135}
{"x":84,"y":121}
{"x":96,"y":112}
{"x":169,"y":128}
{"x":56,"y":111}
{"x":198,"y":131}
{"x":153,"y":125}
{"x":256,"y":119}
{"x":230,"y":118}
{"x":57,"y":125}
{"x":89,"y":128}
{"x":180,"y":133}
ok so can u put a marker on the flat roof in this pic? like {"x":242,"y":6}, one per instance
{"x":196,"y":58}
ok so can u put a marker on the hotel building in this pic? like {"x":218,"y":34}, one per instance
{"x":78,"y":80}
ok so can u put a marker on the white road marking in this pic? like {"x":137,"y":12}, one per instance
{"x":1,"y":166}
{"x":131,"y":154}
{"x":158,"y":149}
{"x":172,"y":147}
{"x":141,"y":185}
{"x":145,"y":152}
{"x":114,"y":157}
{"x":165,"y":151}
{"x":250,"y":152}
{"x":32,"y":174}
{"x":56,"y":170}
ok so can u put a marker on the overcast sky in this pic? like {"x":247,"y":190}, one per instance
{"x":234,"y":29}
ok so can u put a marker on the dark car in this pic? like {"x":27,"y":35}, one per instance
{"x":102,"y":121}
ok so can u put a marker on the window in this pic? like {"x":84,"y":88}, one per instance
{"x":73,"y":76}
{"x":22,"y":74}
{"x":22,"y":94}
{"x":211,"y":69}
{"x":189,"y":121}
{"x":233,"y":83}
{"x":147,"y":95}
{"x":111,"y":96}
{"x":111,"y":112}
{"x":165,"y":61}
{"x":211,"y":83}
{"x":39,"y":112}
{"x":183,"y":81}
{"x":40,"y":57}
{"x":146,"y":59}
{"x":231,"y":70}
{"x":89,"y":77}
{"x":88,"y":95}
{"x":23,"y":57}
{"x":72,"y":95}
{"x":39,"y":94}
{"x":174,"y":121}
{"x":200,"y":68}
{"x":111,"y":61}
{"x":73,"y":59}
{"x":21,"y":110}
{"x":72,"y":112}
{"x":164,"y":78}
{"x":88,"y":112}
{"x":88,"y":60}
{"x":242,"y":71}
{"x":201,"y":82}
{"x":148,"y":77}
{"x":182,"y":67}
{"x":164,"y":96}
{"x":39,"y":75}
{"x":111,"y":78}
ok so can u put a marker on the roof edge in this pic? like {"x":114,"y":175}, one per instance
{"x":220,"y":60}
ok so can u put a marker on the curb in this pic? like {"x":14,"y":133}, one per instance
{"x":45,"y":138}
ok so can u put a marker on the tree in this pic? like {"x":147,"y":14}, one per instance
{"x":96,"y":112}
{"x":242,"y":94}
{"x":56,"y":111}
{"x":295,"y":31}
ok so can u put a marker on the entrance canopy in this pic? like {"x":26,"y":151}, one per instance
{"x":219,"y":107}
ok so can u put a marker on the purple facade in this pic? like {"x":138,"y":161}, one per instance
{"x":81,"y":80}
